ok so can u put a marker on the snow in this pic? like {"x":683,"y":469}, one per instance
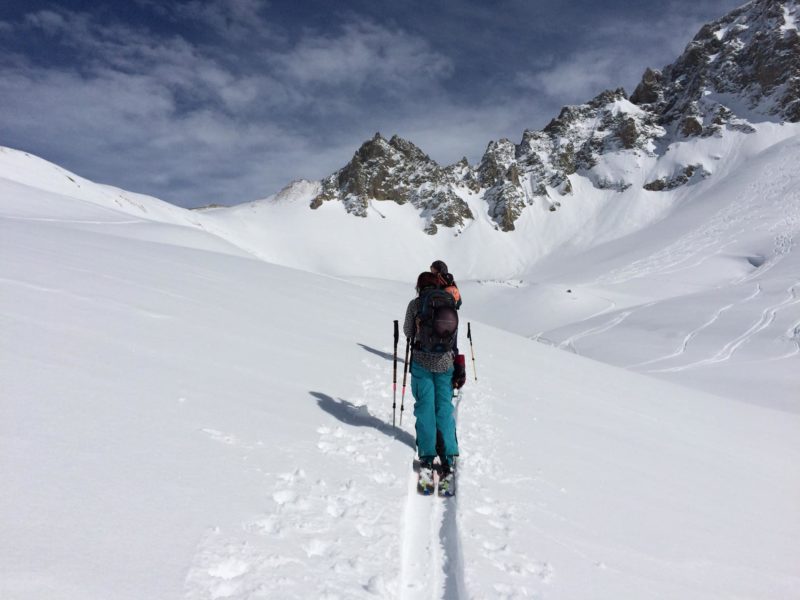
{"x":789,"y":18}
{"x":625,"y":107}
{"x":198,"y":404}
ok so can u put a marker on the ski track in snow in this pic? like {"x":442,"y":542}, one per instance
{"x":766,"y":319}
{"x":494,"y":565}
{"x":94,"y":300}
{"x":743,"y":216}
{"x":569,"y":343}
{"x":740,"y":217}
{"x":464,"y":547}
{"x":328,"y":536}
{"x":692,"y":334}
{"x":695,"y":246}
{"x":793,"y":335}
{"x":432,"y":566}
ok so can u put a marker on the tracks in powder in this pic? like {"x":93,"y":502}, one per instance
{"x":432,"y":563}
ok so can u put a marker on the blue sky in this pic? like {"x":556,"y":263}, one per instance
{"x":229,"y":100}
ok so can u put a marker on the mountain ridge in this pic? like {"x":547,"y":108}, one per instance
{"x":747,"y":62}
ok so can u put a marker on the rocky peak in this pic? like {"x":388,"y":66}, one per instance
{"x":496,"y":161}
{"x":521,"y":175}
{"x":751,"y":57}
{"x":395,"y":171}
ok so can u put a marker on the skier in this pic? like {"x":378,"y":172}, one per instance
{"x":431,"y":323}
{"x":447,"y":282}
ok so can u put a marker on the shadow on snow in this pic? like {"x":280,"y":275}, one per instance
{"x":359,"y":416}
{"x":382,"y":354}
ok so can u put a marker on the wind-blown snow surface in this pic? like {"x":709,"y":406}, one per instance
{"x":180,"y":419}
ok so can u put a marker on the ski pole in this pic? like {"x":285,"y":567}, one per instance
{"x":472,"y":350}
{"x":406,"y":368}
{"x":394,"y":377}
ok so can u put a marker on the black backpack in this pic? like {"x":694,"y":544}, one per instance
{"x":437,"y":320}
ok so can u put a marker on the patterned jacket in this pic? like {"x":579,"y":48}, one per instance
{"x":436,"y":363}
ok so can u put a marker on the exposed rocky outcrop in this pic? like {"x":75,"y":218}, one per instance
{"x":571,"y":143}
{"x":681,"y":177}
{"x":750,"y":57}
{"x":396,"y":171}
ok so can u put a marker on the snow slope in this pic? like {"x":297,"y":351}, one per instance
{"x":181,"y":419}
{"x":709,"y":297}
{"x":660,"y":282}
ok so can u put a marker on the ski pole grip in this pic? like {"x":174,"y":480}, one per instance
{"x":469,"y":330}
{"x":396,"y":333}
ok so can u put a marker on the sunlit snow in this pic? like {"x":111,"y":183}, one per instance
{"x":198,"y":404}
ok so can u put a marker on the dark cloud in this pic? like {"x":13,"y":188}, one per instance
{"x":227,"y":101}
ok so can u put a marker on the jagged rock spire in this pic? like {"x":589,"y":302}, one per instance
{"x":400,"y":172}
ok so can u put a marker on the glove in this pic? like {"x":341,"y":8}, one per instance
{"x":459,"y":372}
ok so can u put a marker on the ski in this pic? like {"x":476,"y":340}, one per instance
{"x":447,"y":485}
{"x":447,"y":481}
{"x":435,"y":480}
{"x":426,"y":481}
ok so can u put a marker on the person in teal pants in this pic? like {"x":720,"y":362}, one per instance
{"x":433,"y":410}
{"x":431,"y":382}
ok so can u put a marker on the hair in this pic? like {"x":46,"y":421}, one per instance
{"x":427,"y":279}
{"x":438,"y":266}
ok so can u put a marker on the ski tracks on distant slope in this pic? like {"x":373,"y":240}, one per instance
{"x":683,"y":253}
{"x":741,"y":216}
{"x":569,"y":343}
{"x":766,"y":318}
{"x":694,"y":332}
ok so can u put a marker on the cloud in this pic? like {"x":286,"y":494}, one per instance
{"x":363,"y":53}
{"x":48,"y":21}
{"x":161,"y":114}
{"x":221,"y":101}
{"x":235,"y":21}
{"x":579,"y":77}
{"x":614,"y":54}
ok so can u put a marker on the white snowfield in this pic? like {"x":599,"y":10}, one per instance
{"x":198,"y":405}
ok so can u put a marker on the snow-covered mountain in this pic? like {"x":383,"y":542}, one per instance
{"x":741,"y":69}
{"x":181,"y":420}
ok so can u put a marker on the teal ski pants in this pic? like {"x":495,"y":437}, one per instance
{"x":433,"y":409}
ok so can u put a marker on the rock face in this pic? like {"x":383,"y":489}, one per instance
{"x":746,"y":62}
{"x":750,"y":57}
{"x":682,"y":177}
{"x":397,"y":171}
{"x":538,"y":168}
